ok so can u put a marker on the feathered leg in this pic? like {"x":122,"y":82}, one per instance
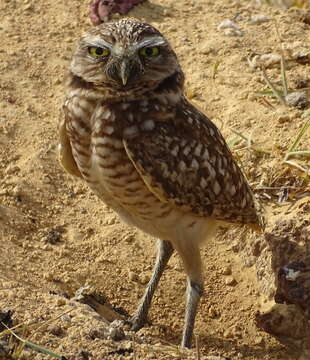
{"x":164,"y":253}
{"x":193,"y":267}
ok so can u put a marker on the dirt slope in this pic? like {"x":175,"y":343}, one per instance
{"x":56,"y":237}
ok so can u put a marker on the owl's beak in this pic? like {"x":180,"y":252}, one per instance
{"x":125,"y":71}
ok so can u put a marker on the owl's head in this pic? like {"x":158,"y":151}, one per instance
{"x":124,"y":55}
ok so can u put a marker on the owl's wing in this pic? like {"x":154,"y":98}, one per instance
{"x":186,"y":162}
{"x":65,"y":151}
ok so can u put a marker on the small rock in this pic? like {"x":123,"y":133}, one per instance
{"x":28,"y":7}
{"x":212,"y":313}
{"x":230,"y":281}
{"x":111,"y":221}
{"x":258,"y":340}
{"x":132,"y":276}
{"x":55,"y":330}
{"x":235,"y":247}
{"x":99,"y":332}
{"x":283,"y":118}
{"x":48,"y":276}
{"x":232,"y":32}
{"x":53,"y":236}
{"x":297,"y":99}
{"x":61,"y":301}
{"x":258,"y":19}
{"x":227,"y":334}
{"x":57,"y":81}
{"x":129,"y":238}
{"x":226,"y":270}
{"x":144,"y":279}
{"x":265,"y":60}
{"x":115,"y":330}
{"x":66,"y":318}
{"x":230,"y":28}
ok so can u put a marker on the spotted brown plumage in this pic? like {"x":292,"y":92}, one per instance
{"x":162,"y":165}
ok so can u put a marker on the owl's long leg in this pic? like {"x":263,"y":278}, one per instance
{"x":193,"y":267}
{"x":164,"y":253}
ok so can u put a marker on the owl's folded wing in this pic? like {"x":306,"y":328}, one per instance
{"x":65,"y":151}
{"x":186,"y":162}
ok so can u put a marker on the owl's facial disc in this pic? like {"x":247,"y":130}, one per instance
{"x":127,"y":64}
{"x":124,"y":55}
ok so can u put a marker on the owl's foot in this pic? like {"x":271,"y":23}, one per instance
{"x":137,"y":322}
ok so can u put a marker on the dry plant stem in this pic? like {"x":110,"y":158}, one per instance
{"x":134,"y":347}
{"x":10,"y":330}
{"x":283,"y":68}
{"x":34,"y":346}
{"x":215,"y":69}
{"x":298,"y":138}
{"x":303,"y":153}
{"x":51,"y":320}
{"x":299,"y":167}
{"x":272,"y":87}
{"x":275,"y":187}
{"x":283,"y":75}
{"x":249,"y":143}
{"x":197,"y":348}
{"x":292,"y":152}
{"x":266,"y":103}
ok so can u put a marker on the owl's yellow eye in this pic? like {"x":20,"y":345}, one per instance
{"x":149,"y":51}
{"x":98,"y":51}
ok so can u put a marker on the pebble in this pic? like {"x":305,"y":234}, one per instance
{"x":129,"y":238}
{"x":133,"y":276}
{"x":144,"y":279}
{"x":226,"y":270}
{"x":212,"y":313}
{"x":258,"y":340}
{"x":266,"y":60}
{"x":115,"y":330}
{"x":230,"y":28}
{"x":235,"y":247}
{"x":100,"y":332}
{"x":66,"y":318}
{"x":283,"y":119}
{"x":232,"y":32}
{"x":297,"y":99}
{"x":111,"y":221}
{"x":48,"y":276}
{"x":61,"y":301}
{"x":55,"y":330}
{"x":230,"y":281}
{"x":258,"y":19}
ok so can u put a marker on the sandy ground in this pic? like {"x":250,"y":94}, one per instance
{"x":56,"y":236}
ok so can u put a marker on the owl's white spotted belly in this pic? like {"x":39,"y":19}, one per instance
{"x":109,"y":172}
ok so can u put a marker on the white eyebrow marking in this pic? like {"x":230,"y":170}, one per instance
{"x":100,"y":43}
{"x":151,"y":41}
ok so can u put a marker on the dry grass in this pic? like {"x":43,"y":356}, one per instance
{"x":18,"y":343}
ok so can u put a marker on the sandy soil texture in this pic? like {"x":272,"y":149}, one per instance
{"x":57,"y":238}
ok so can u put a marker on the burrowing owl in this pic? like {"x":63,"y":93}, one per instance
{"x":149,"y":154}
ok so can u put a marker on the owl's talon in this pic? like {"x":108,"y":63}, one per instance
{"x":136,"y":323}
